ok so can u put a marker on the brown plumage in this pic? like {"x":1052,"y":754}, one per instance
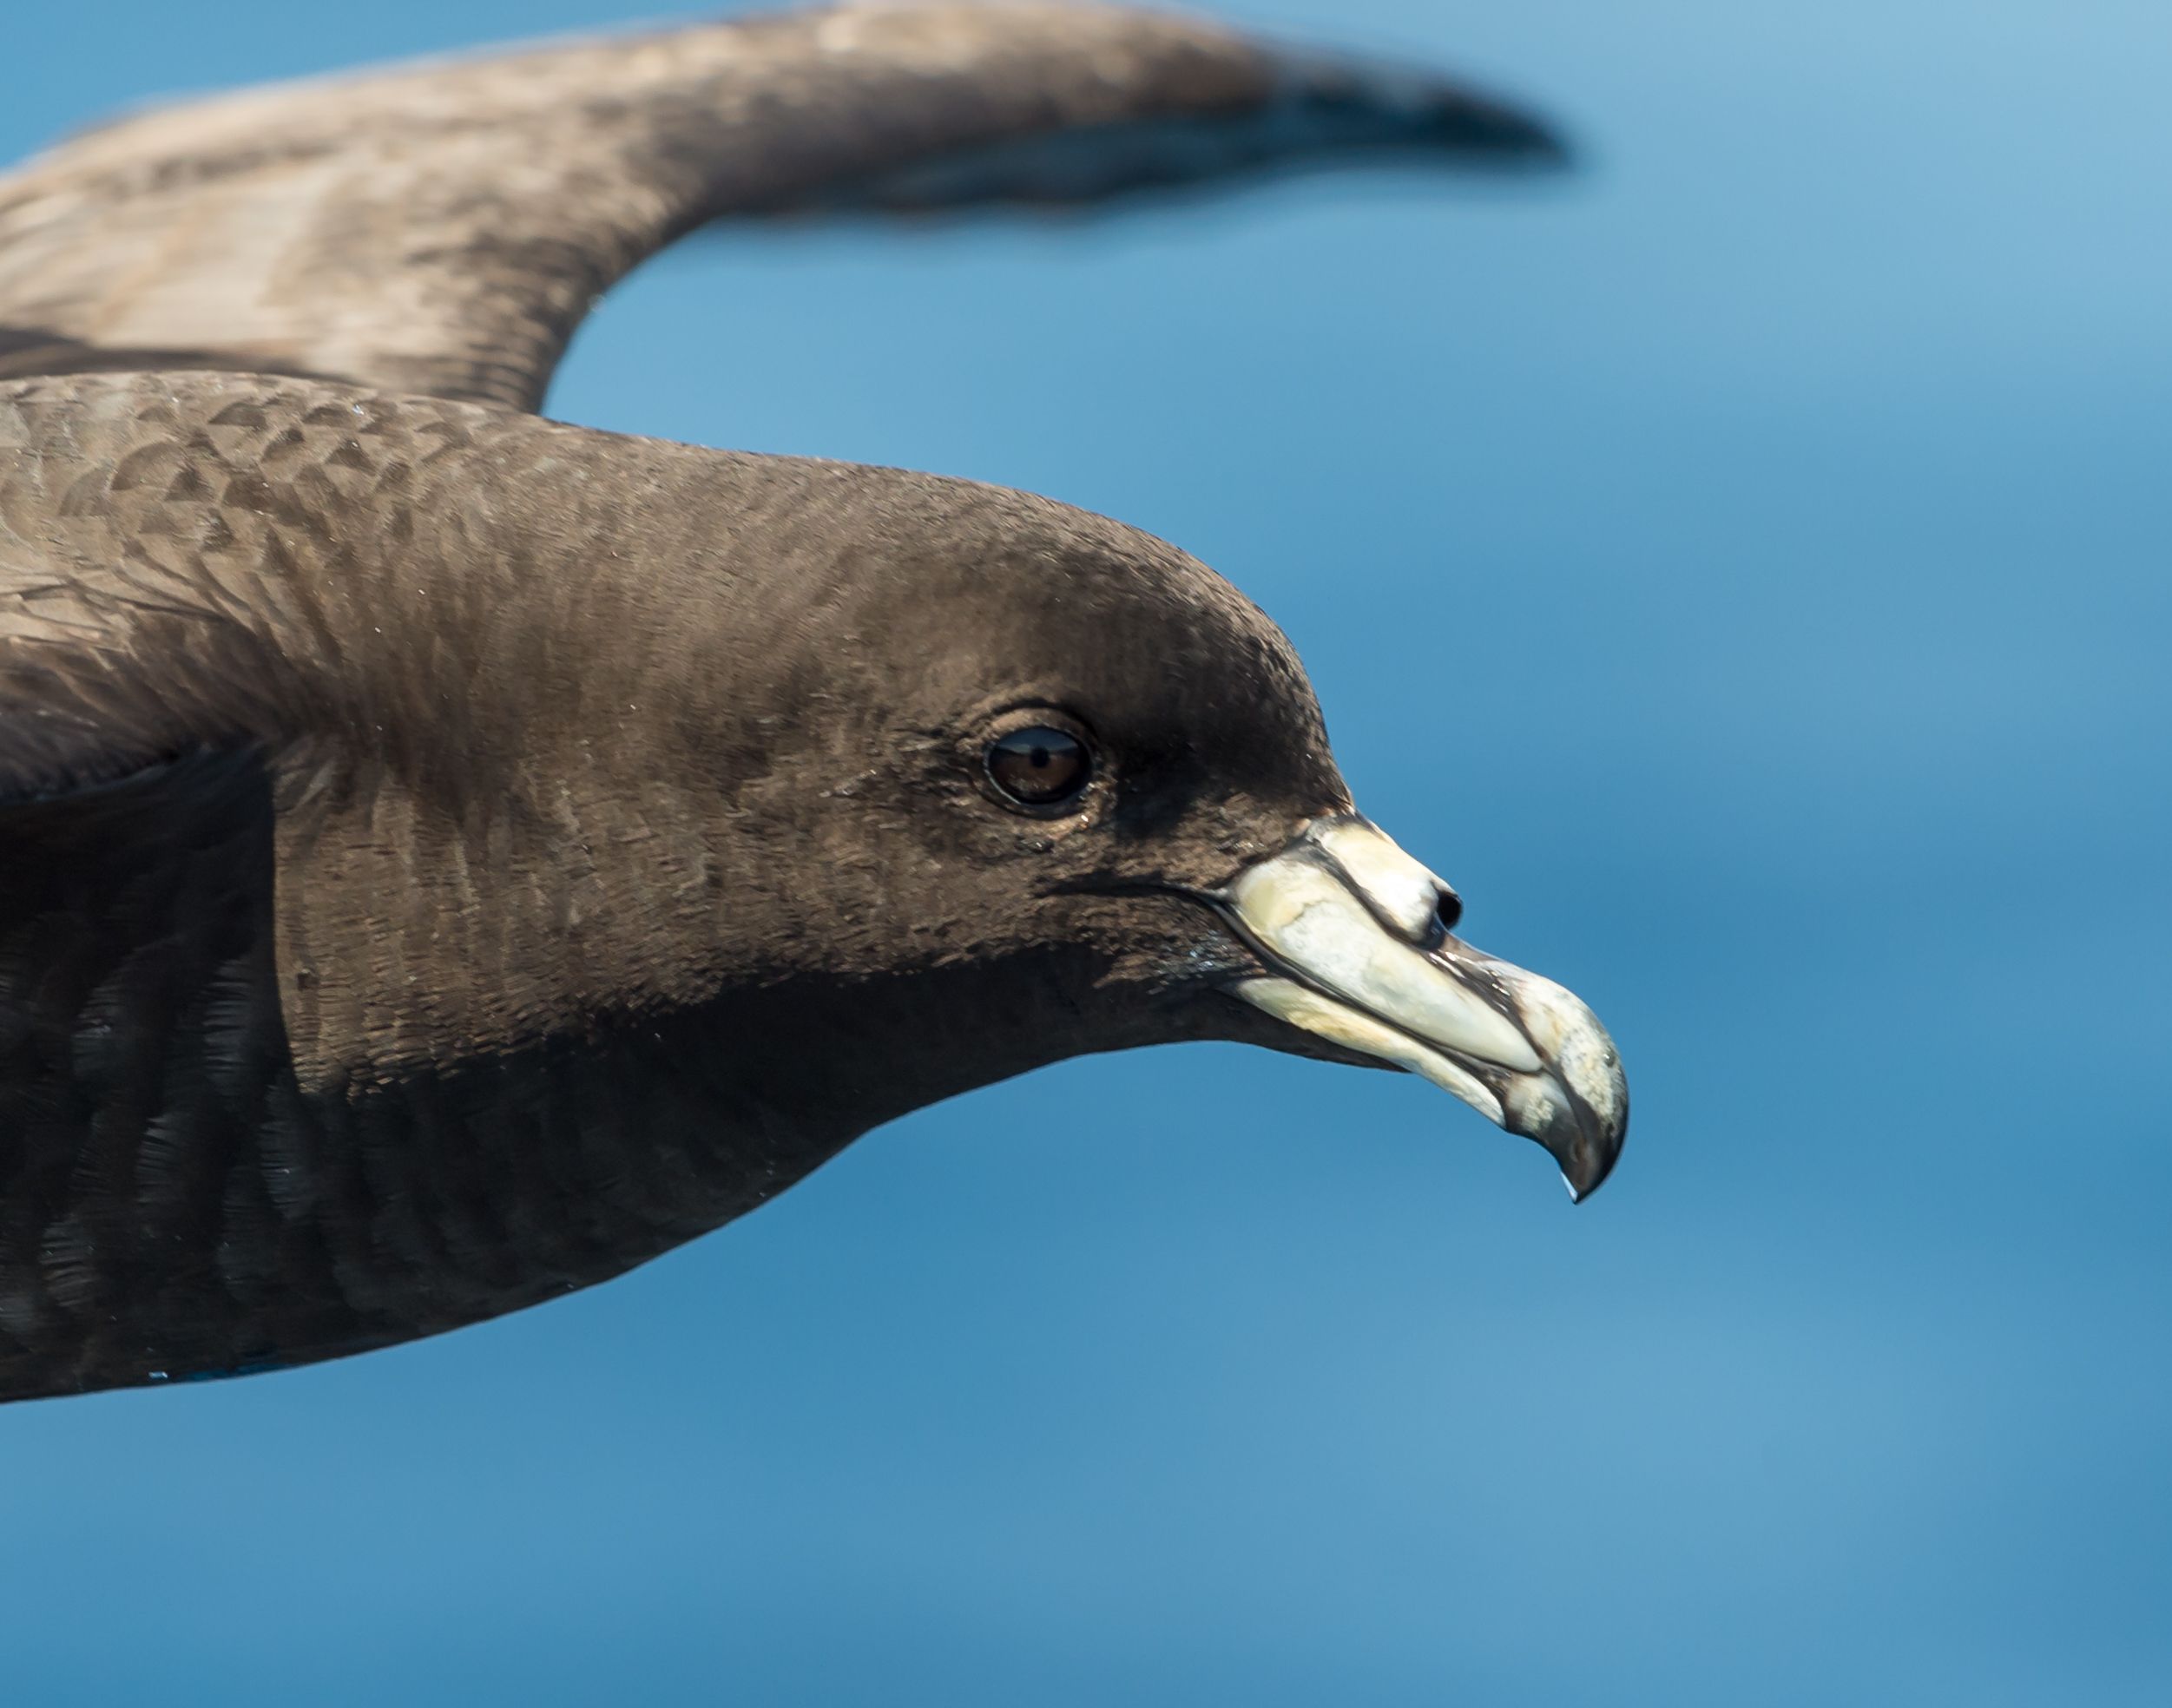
{"x":443,"y":229}
{"x":451,"y":856}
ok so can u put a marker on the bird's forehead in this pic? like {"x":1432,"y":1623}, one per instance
{"x":1146,"y":633}
{"x":1048,"y":583}
{"x":914,"y":602}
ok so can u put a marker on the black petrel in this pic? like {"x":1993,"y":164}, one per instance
{"x":447,"y":856}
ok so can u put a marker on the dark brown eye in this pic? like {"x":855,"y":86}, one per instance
{"x":1039,"y":766}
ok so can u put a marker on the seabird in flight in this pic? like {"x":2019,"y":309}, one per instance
{"x":447,"y":856}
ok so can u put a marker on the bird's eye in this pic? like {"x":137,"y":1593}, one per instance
{"x":1039,"y":766}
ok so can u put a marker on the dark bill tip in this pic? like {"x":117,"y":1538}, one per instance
{"x":1583,"y":1145}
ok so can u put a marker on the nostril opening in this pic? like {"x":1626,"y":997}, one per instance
{"x":1447,"y":912}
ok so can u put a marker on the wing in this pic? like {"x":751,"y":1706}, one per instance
{"x":136,"y":839}
{"x":443,"y":229}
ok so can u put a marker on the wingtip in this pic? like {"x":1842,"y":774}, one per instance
{"x":1384,"y":103}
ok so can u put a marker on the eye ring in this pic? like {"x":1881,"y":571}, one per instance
{"x":1039,"y":766}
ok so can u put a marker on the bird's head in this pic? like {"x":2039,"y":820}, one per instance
{"x":1007,"y":748}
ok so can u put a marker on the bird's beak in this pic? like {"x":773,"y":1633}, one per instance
{"x":1353,"y":933}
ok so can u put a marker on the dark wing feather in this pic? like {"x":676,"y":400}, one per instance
{"x":442,"y":229}
{"x":135,"y":891}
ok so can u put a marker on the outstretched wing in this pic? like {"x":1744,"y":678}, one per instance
{"x":442,"y":229}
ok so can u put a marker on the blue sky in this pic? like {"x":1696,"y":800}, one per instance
{"x":1741,"y":569}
